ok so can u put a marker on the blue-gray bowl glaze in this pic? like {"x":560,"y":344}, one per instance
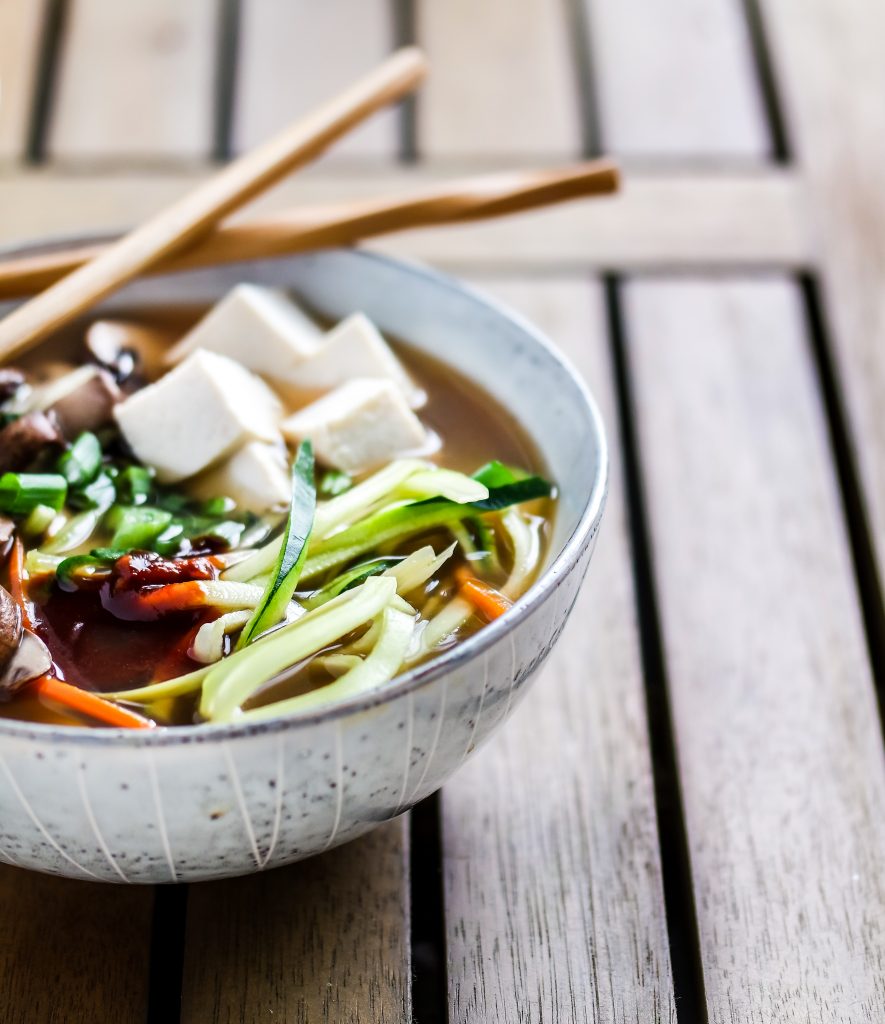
{"x":212,"y":801}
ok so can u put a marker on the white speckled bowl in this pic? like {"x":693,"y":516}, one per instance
{"x":212,"y":801}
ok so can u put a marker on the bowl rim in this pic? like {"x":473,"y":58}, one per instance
{"x":422,"y":675}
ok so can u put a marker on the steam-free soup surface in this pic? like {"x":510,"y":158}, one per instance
{"x":104,"y":643}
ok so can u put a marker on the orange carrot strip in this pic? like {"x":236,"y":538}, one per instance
{"x":89,"y":704}
{"x":483,"y":597}
{"x":175,"y":597}
{"x":17,"y":582}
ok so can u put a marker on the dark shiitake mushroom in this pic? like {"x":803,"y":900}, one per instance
{"x":133,"y":353}
{"x":89,"y":405}
{"x":10,"y":381}
{"x":22,"y":440}
{"x":31,"y":660}
{"x":10,"y":627}
{"x":23,"y":655}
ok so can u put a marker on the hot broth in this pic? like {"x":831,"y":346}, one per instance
{"x":133,"y":604}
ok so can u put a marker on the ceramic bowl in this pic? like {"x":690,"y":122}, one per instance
{"x":212,"y":801}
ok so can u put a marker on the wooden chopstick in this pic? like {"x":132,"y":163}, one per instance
{"x":192,"y":216}
{"x":485,"y":196}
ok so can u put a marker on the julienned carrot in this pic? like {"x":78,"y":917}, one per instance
{"x":71,"y":697}
{"x":89,"y":704}
{"x":483,"y":597}
{"x":17,"y":582}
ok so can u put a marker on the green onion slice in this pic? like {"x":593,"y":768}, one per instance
{"x":137,"y":526}
{"x":80,"y":464}
{"x":21,"y":493}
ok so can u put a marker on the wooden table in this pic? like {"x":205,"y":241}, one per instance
{"x":685,"y":821}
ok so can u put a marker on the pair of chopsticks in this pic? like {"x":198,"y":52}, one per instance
{"x":189,"y":234}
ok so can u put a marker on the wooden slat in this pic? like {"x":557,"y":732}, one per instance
{"x":20,"y":25}
{"x":657,"y":220}
{"x":136,"y":80}
{"x":553,"y":892}
{"x":502,"y":83}
{"x":676,"y":79}
{"x":777,"y":732}
{"x":295,"y":55}
{"x":831,"y":71}
{"x":72,"y":952}
{"x":326,"y":940}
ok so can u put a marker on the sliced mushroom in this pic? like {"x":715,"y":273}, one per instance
{"x":89,"y":404}
{"x":30,"y":661}
{"x":10,"y":626}
{"x":22,"y":440}
{"x":10,"y":381}
{"x":129,"y":350}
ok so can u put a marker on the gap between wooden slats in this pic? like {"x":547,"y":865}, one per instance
{"x":72,"y":952}
{"x":829,"y":63}
{"x":676,"y":79}
{"x":554,"y":904}
{"x":777,"y":737}
{"x":296,"y":54}
{"x":21,"y":23}
{"x":136,"y":80}
{"x":326,"y":940}
{"x":502,"y":82}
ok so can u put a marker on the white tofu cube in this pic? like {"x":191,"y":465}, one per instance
{"x":256,"y":476}
{"x":201,"y":411}
{"x":359,"y":425}
{"x":259,"y":327}
{"x":355,"y":348}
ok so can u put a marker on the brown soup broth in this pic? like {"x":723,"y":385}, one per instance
{"x":97,"y":651}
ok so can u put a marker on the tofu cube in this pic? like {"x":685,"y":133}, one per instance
{"x":259,"y":327}
{"x":256,"y":476}
{"x":359,"y":425}
{"x":355,"y":348}
{"x":201,"y":411}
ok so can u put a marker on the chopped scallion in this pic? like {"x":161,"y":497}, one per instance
{"x":137,"y":526}
{"x":80,"y":464}
{"x":332,"y":483}
{"x":21,"y":493}
{"x":134,"y":485}
{"x":39,"y":520}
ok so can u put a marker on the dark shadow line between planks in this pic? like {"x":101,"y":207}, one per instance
{"x":581,"y":40}
{"x":682,"y":923}
{"x":857,"y":526}
{"x":430,"y":997}
{"x":779,"y":139}
{"x":166,"y":974}
{"x":45,"y":80}
{"x":405,"y":33}
{"x":227,"y":53}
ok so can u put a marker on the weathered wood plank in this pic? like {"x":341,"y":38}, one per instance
{"x":830,"y":67}
{"x":777,"y":734}
{"x":326,"y":940}
{"x":297,"y":54}
{"x":657,"y":220}
{"x":502,"y":81}
{"x":136,"y":80}
{"x":553,"y":889}
{"x":72,"y":952}
{"x":676,"y":79}
{"x":20,"y":25}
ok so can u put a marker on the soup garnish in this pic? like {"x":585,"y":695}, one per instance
{"x":261,"y":518}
